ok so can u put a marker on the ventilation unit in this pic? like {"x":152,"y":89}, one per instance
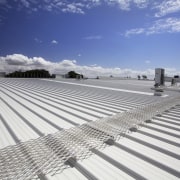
{"x":159,"y":77}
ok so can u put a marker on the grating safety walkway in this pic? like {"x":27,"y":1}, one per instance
{"x":55,"y":152}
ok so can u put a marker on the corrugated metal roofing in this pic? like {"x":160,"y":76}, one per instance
{"x":32,"y":108}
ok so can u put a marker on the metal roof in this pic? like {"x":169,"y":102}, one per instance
{"x":35,"y":111}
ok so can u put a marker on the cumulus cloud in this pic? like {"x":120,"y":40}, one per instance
{"x":54,"y":42}
{"x":167,"y":25}
{"x":167,"y":7}
{"x":67,"y":63}
{"x":14,"y":62}
{"x":17,"y":59}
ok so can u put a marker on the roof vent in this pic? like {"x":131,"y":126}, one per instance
{"x":133,"y":129}
{"x":110,"y":142}
{"x":71,"y":162}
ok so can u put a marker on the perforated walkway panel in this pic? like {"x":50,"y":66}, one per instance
{"x":49,"y":154}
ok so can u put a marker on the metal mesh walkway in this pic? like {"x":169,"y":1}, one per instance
{"x":50,"y":154}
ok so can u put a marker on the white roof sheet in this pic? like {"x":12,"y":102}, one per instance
{"x":31,"y":108}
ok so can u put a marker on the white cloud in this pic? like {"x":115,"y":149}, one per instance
{"x":123,"y":4}
{"x":163,"y":7}
{"x":74,"y":8}
{"x":134,"y":31}
{"x":141,"y":3}
{"x":50,"y":5}
{"x":39,"y":61}
{"x":14,"y":62}
{"x":126,"y":4}
{"x":67,"y":63}
{"x":17,"y":59}
{"x":97,"y":37}
{"x":78,"y":6}
{"x":170,"y":25}
{"x":167,"y":7}
{"x":20,"y":59}
{"x":54,"y":42}
{"x":167,"y":25}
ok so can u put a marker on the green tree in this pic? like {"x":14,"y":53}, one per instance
{"x":35,"y":73}
{"x":144,"y":76}
{"x":72,"y":74}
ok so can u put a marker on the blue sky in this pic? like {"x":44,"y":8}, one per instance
{"x":94,"y":36}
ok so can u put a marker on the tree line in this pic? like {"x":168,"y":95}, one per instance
{"x":36,"y":73}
